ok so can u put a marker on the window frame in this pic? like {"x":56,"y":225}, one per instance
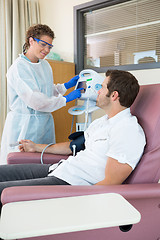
{"x":79,"y":39}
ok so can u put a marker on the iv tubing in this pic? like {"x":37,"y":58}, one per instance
{"x":86,"y":114}
{"x":44,"y":151}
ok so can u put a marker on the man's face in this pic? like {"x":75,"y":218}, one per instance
{"x":102,"y":99}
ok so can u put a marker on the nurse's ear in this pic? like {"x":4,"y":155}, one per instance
{"x":31,"y":41}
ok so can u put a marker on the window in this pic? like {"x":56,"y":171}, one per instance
{"x":118,"y":34}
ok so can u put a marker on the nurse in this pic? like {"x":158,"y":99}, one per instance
{"x":32,"y":93}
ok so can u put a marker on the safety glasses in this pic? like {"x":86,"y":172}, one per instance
{"x":43,"y":44}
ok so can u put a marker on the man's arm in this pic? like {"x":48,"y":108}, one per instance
{"x":115,"y":172}
{"x":59,"y":148}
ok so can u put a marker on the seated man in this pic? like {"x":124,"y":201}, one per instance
{"x":114,"y":144}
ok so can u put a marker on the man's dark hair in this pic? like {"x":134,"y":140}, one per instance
{"x":125,"y":84}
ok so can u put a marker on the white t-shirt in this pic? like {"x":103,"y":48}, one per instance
{"x":120,"y":137}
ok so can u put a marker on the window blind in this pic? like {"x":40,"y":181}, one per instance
{"x":123,"y":34}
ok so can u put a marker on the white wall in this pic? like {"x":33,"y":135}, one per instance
{"x":58,"y":14}
{"x":147,"y":76}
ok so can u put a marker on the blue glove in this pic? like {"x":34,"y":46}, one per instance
{"x":73,"y":95}
{"x":72,"y":82}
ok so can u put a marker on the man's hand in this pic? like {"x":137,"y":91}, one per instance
{"x":27,"y":146}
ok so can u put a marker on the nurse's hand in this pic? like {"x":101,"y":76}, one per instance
{"x":73,"y":95}
{"x":27,"y":146}
{"x":72,"y":82}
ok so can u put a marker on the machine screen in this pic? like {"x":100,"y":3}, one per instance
{"x":82,"y":85}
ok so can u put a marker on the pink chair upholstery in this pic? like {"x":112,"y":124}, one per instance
{"x":141,"y":188}
{"x":25,"y":157}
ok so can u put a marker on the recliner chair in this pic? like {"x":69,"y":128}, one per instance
{"x":141,"y":188}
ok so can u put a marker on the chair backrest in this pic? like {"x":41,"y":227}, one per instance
{"x":147,"y":109}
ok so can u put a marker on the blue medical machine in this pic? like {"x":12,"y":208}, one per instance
{"x":91,"y":82}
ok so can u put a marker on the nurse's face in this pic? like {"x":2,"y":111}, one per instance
{"x":40,"y":48}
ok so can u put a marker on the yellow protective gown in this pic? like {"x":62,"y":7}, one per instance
{"x":32,"y":98}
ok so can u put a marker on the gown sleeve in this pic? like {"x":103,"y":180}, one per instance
{"x":22,"y":78}
{"x":59,"y":89}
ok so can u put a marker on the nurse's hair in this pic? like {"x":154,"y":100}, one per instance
{"x":125,"y":84}
{"x":36,"y":31}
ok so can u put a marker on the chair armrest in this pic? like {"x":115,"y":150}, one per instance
{"x":128,"y":191}
{"x":29,"y":219}
{"x":25,"y":157}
